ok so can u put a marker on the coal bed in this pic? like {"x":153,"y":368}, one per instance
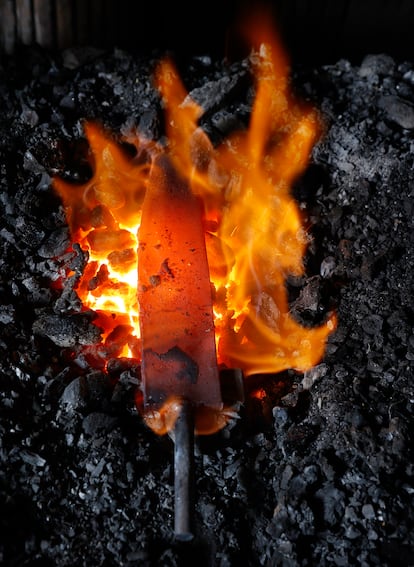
{"x":318,"y":469}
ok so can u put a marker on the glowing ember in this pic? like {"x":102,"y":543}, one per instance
{"x":252,"y":226}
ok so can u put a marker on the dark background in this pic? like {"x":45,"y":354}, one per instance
{"x":318,"y":31}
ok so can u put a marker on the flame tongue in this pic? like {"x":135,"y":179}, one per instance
{"x":174,"y":294}
{"x":218,"y":217}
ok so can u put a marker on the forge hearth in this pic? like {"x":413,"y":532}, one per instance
{"x":318,"y":469}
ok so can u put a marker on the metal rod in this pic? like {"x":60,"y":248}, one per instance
{"x":183,"y":472}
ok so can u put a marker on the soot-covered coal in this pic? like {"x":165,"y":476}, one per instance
{"x":319,"y":470}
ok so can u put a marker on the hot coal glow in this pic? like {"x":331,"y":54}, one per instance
{"x":252,"y":226}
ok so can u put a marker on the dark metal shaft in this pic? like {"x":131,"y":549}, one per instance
{"x":183,"y":472}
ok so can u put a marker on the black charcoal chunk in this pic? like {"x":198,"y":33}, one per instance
{"x":74,"y":395}
{"x":372,"y":324}
{"x":67,"y":331}
{"x":332,"y":500}
{"x":97,"y":423}
{"x":376,"y":64}
{"x":69,"y":301}
{"x":29,"y":232}
{"x":213,"y":94}
{"x":7,"y":314}
{"x":398,"y":111}
{"x":328,"y":266}
{"x":56,"y":244}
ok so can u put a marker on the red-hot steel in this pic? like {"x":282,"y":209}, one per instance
{"x":174,"y":295}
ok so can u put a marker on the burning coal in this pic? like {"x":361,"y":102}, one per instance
{"x":233,"y":204}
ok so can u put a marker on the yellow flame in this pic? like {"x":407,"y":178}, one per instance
{"x":254,"y":234}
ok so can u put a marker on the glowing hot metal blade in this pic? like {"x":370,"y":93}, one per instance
{"x":174,"y":295}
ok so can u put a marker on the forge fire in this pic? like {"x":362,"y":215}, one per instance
{"x":290,"y":193}
{"x":158,"y":225}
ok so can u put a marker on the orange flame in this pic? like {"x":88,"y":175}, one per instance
{"x":103,"y":216}
{"x":253,"y":230}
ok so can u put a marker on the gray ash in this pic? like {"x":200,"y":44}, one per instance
{"x":320,"y":470}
